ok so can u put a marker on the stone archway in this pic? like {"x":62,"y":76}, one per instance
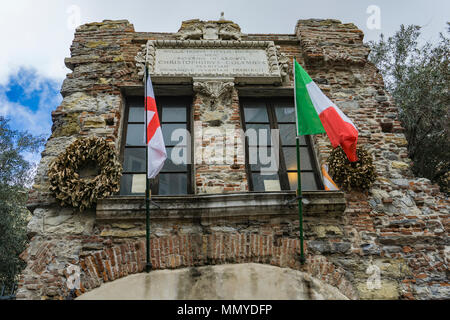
{"x":114,"y":263}
{"x":245,"y":281}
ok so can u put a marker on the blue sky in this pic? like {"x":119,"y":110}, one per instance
{"x":27,"y":99}
{"x":36,"y":36}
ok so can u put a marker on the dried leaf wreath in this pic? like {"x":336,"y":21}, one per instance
{"x":358,"y":175}
{"x":72,"y":189}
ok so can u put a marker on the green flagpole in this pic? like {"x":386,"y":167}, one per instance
{"x":148,"y":266}
{"x":300,"y":202}
{"x":299,"y":176}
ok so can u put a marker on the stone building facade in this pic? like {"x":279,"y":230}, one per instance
{"x":388,"y":243}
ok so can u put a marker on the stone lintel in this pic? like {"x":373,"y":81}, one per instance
{"x":258,"y":91}
{"x":250,"y":204}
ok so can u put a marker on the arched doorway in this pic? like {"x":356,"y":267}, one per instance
{"x":230,"y":282}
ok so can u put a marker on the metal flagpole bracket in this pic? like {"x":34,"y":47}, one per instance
{"x":155,"y":204}
{"x":151,"y":202}
{"x":149,"y":198}
{"x":294,"y":200}
{"x":305,"y":201}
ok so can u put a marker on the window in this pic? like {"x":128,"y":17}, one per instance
{"x":279,"y":114}
{"x":175,"y":176}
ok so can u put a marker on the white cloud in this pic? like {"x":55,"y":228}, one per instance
{"x":36,"y":34}
{"x":21,"y":117}
{"x":34,"y":37}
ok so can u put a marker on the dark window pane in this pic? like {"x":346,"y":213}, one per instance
{"x":132,"y":184}
{"x":171,"y":103}
{"x":293,"y":184}
{"x":303,"y":141}
{"x":290,"y":157}
{"x":172,"y":183}
{"x":263,"y":158}
{"x":287,"y":134}
{"x":136,"y":114}
{"x":282,"y":116}
{"x":285,"y":114}
{"x":308,"y":181}
{"x":134,"y":160}
{"x":256,"y":113}
{"x":255,"y":131}
{"x":174,"y":114}
{"x":181,"y":135}
{"x":136,"y":102}
{"x":173,"y":110}
{"x":135,"y":135}
{"x":177,"y":160}
{"x":305,"y":159}
{"x":266,"y":182}
{"x":284,"y":103}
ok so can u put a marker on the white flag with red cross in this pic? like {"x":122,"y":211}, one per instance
{"x":156,"y":150}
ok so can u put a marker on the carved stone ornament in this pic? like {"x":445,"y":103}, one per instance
{"x":216,"y":90}
{"x":212,"y":49}
{"x":209,"y":30}
{"x":283,"y":63}
{"x":140,"y":59}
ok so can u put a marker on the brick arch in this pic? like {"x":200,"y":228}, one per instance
{"x":183,"y":251}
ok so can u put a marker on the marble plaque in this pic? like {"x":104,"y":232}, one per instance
{"x":272,"y":185}
{"x":212,"y":62}
{"x":181,"y":61}
{"x":139,"y":183}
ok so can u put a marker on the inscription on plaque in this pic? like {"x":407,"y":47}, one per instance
{"x":223,"y":62}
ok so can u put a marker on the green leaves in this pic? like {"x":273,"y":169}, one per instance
{"x":15,"y":174}
{"x":358,"y":175}
{"x":418,"y":78}
{"x":14,"y":169}
{"x":69,"y":185}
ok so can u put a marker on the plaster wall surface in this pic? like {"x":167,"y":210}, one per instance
{"x":248,"y":281}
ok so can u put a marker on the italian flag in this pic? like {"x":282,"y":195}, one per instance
{"x":318,"y":114}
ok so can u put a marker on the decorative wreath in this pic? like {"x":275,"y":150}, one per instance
{"x":358,"y":175}
{"x":70,"y":187}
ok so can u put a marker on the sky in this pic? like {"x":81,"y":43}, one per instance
{"x":36,"y":35}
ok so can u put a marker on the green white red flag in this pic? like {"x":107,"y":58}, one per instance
{"x":328,"y":182}
{"x":316,"y":113}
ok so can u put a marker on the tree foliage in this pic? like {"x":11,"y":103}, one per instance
{"x":417,"y":76}
{"x":15,"y":175}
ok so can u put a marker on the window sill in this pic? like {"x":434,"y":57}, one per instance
{"x":221,"y":205}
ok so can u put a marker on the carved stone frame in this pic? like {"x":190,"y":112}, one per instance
{"x":148,"y":56}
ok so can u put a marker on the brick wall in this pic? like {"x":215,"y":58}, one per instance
{"x":170,"y":252}
{"x":214,"y":173}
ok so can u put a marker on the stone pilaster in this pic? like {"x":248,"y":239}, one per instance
{"x":219,"y":148}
